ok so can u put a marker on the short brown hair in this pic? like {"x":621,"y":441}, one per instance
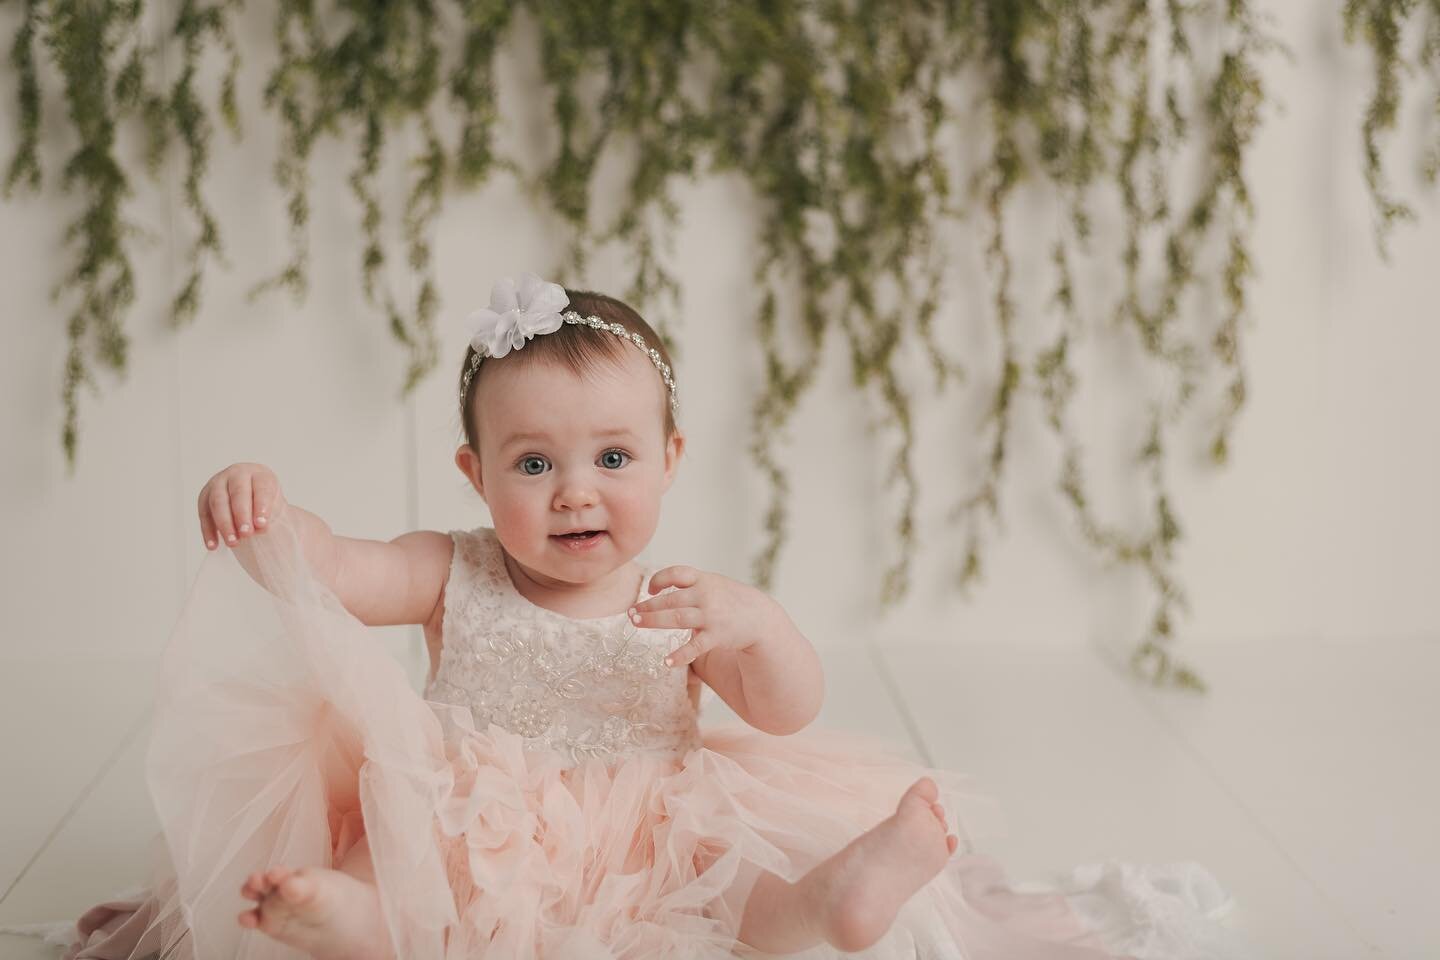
{"x":576,"y":347}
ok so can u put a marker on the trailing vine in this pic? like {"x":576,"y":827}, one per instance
{"x":84,"y":42}
{"x":1384,"y":24}
{"x":854,"y":122}
{"x":378,"y":76}
{"x":196,"y":24}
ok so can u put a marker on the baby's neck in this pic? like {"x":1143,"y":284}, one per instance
{"x":607,"y":596}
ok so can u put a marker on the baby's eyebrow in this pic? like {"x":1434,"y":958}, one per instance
{"x":611,"y":434}
{"x":523,"y":437}
{"x":615,"y":432}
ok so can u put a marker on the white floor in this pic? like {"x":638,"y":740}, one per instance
{"x":1307,"y":780}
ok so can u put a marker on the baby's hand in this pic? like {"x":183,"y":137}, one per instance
{"x":232,"y":497}
{"x":721,"y":612}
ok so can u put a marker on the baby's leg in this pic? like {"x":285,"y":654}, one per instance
{"x":330,"y":914}
{"x":851,"y":899}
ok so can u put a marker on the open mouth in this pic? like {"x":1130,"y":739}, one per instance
{"x":586,"y":535}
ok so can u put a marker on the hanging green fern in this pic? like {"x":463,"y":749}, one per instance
{"x":1384,"y":23}
{"x":84,"y":39}
{"x":195,"y":25}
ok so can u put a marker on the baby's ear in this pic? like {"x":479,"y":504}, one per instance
{"x":674,"y":447}
{"x":469,"y":463}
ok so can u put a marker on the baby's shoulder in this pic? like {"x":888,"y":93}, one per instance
{"x":424,"y":556}
{"x":431,"y":548}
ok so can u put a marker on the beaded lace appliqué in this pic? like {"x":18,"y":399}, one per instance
{"x":582,"y":688}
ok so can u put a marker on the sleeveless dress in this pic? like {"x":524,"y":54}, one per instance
{"x":550,"y":795}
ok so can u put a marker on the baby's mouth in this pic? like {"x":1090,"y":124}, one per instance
{"x":586,"y":535}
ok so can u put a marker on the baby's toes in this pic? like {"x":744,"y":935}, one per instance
{"x":297,"y":889}
{"x":951,"y":842}
{"x":255,"y":886}
{"x":273,"y":877}
{"x":939,"y":812}
{"x":923,"y":789}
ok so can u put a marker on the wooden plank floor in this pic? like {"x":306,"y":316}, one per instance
{"x":1307,"y":780}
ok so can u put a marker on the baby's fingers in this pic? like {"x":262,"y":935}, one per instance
{"x":676,"y":576}
{"x":266,"y":497}
{"x":668,"y":601}
{"x":207,"y":524}
{"x":221,"y":523}
{"x":241,"y":499}
{"x":691,"y":650}
{"x":689,"y":618}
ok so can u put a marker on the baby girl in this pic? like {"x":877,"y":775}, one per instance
{"x":571,"y":441}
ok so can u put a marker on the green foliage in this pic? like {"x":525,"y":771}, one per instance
{"x":194,"y":24}
{"x":84,"y":40}
{"x":25,"y":166}
{"x":380,"y":70}
{"x":1383,"y":25}
{"x":856,"y":124}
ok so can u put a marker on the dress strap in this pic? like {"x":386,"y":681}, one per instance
{"x":470,"y":573}
{"x":490,"y":574}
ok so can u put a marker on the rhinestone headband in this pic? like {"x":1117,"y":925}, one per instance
{"x":594,"y":323}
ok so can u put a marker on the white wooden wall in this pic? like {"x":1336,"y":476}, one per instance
{"x":1326,"y":525}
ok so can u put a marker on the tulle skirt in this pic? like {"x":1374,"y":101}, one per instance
{"x":284,"y":733}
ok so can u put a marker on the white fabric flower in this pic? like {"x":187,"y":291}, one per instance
{"x":517,"y":312}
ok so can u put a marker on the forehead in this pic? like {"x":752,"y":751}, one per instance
{"x":548,"y":400}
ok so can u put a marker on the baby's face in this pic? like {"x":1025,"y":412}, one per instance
{"x":562,"y":453}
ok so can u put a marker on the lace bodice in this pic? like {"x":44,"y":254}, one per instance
{"x":582,"y":688}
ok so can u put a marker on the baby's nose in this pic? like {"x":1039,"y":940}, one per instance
{"x":575,"y":496}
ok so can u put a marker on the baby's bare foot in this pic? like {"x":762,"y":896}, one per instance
{"x":328,"y":914}
{"x":865,"y":885}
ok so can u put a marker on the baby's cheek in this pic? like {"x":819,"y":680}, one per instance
{"x":516,"y":521}
{"x":639,"y":515}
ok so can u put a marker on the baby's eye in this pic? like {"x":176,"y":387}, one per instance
{"x":614,"y":459}
{"x":532,"y":466}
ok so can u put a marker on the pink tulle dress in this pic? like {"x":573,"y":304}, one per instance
{"x":551,"y":794}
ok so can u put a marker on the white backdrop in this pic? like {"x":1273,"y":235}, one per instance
{"x":1324,"y":527}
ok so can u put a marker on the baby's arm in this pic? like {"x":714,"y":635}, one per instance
{"x":742,"y":644}
{"x":776,"y":688}
{"x":381,"y":583}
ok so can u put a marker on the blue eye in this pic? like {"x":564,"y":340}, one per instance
{"x":526,"y":463}
{"x":609,"y":459}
